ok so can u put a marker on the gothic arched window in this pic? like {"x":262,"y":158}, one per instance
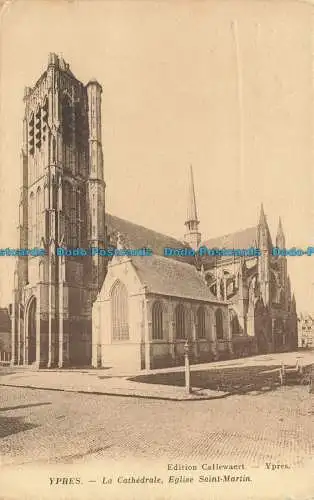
{"x":219,"y":324}
{"x":157,"y":323}
{"x":67,"y":120}
{"x":274,"y":289}
{"x":282,"y":299}
{"x":119,"y":312}
{"x":66,"y":206}
{"x":78,"y":216}
{"x":234,"y":323}
{"x":73,"y":217}
{"x":180,"y":322}
{"x":200,"y":329}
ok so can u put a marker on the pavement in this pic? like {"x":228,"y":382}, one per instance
{"x":107,"y":381}
{"x":46,"y":434}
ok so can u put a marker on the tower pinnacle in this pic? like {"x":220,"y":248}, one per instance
{"x":192,"y":236}
{"x":264,"y":237}
{"x":262,"y":217}
{"x":280,"y":237}
{"x":264,"y":244}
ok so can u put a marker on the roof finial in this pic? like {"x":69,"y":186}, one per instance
{"x":120,"y":241}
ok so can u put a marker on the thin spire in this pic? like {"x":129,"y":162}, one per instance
{"x":192,"y":235}
{"x":191,"y":209}
{"x":280,"y":228}
{"x":262,"y":217}
{"x":280,"y":237}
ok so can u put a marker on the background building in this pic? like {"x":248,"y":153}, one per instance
{"x":306,"y":331}
{"x":5,"y":335}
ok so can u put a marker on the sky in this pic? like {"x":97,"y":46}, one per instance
{"x":226,"y":86}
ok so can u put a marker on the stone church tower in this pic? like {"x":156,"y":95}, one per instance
{"x":61,"y":205}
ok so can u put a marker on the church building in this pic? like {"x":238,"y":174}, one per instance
{"x":126,"y":311}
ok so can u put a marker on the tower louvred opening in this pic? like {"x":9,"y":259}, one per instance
{"x":31,"y":142}
{"x":38,"y":128}
{"x":44,"y":118}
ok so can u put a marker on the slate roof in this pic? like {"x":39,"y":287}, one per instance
{"x":244,"y":239}
{"x":241,"y":239}
{"x":136,"y":236}
{"x":166,"y":276}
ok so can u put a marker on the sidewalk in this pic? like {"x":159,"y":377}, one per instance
{"x":109,"y":382}
{"x":96,"y":382}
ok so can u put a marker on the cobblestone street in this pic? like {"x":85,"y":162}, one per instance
{"x":50,"y":426}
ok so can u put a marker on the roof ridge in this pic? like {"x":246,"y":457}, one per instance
{"x":163,"y":257}
{"x":147,"y":228}
{"x":230,"y":234}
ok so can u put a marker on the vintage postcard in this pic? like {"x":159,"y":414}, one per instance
{"x":156,"y":250}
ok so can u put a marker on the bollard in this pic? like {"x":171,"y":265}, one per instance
{"x":282,"y":373}
{"x":187,"y":367}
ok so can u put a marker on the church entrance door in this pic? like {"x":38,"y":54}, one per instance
{"x":31,"y":330}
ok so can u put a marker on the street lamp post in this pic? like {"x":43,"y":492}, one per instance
{"x":187,"y":371}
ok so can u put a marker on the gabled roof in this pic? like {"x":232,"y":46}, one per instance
{"x":245,"y":238}
{"x":166,"y":276}
{"x":136,"y":236}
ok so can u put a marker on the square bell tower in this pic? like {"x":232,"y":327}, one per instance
{"x":61,"y":205}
